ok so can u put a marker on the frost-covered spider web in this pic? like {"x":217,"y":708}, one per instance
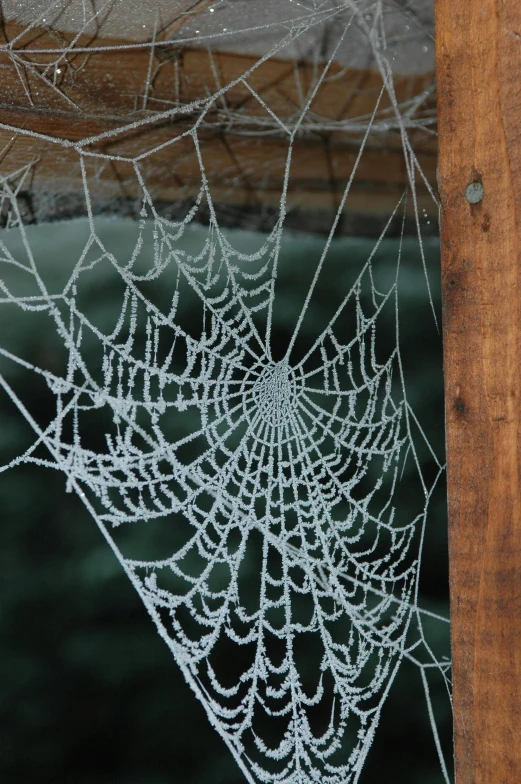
{"x":184,"y":413}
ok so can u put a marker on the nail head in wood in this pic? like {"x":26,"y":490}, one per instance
{"x":475,"y":192}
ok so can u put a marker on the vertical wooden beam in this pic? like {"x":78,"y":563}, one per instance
{"x":479,"y":94}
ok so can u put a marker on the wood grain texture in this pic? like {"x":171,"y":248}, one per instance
{"x":479,"y":109}
{"x":104,"y":88}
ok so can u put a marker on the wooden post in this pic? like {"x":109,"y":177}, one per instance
{"x":479,"y":94}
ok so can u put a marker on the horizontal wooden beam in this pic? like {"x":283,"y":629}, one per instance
{"x":126,"y":107}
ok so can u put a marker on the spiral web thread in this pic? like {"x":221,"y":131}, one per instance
{"x":243,"y":453}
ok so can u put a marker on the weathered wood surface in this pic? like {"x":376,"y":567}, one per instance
{"x":93,"y":91}
{"x":479,"y":98}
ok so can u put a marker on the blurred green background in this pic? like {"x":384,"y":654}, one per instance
{"x":88,"y":692}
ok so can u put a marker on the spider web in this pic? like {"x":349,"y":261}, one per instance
{"x":184,"y":415}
